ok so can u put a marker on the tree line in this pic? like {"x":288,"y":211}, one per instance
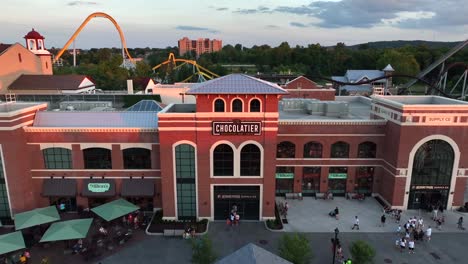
{"x":314,"y":60}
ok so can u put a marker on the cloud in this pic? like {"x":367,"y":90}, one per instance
{"x":222,"y":9}
{"x":371,"y":13}
{"x":77,"y":3}
{"x":297,"y":24}
{"x":272,"y":26}
{"x":191,"y":28}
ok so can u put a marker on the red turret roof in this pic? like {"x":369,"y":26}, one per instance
{"x":33,"y":35}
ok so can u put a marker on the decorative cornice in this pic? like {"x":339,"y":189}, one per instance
{"x":332,"y":122}
{"x":89,"y":129}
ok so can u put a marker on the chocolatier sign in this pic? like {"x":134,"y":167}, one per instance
{"x":237,"y":127}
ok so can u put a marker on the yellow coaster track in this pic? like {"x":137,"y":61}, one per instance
{"x":198,"y":69}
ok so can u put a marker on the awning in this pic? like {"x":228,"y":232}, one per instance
{"x":98,"y":188}
{"x":36,"y":217}
{"x":115,"y":209}
{"x":67,"y":230}
{"x":137,"y":188}
{"x":11,"y":242}
{"x":59,"y":187}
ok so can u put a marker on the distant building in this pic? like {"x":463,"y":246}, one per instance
{"x":200,"y":46}
{"x":356,"y":76}
{"x":52,"y":84}
{"x":17,"y":59}
{"x":302,"y":87}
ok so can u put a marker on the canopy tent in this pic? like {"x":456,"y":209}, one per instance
{"x":36,"y":217}
{"x":115,"y":209}
{"x":66,"y":230}
{"x":11,"y":242}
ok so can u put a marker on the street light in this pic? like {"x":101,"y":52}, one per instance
{"x":335,"y":244}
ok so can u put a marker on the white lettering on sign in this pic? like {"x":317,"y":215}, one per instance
{"x":236,"y":128}
{"x":439,"y":119}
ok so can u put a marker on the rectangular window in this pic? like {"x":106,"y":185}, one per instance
{"x":5,"y":216}
{"x":185,"y":178}
{"x":57,"y":158}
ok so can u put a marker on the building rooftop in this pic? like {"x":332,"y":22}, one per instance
{"x":91,"y":119}
{"x":402,"y":101}
{"x":48,"y":82}
{"x":11,"y":107}
{"x":346,"y":108}
{"x":236,"y":84}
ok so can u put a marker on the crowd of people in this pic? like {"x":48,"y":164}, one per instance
{"x":234,"y":217}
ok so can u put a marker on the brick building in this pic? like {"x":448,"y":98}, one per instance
{"x":238,"y":145}
{"x":199,"y":46}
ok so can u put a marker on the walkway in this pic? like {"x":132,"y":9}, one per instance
{"x":310,"y":215}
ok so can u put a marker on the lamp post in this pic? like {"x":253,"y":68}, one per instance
{"x":335,"y":244}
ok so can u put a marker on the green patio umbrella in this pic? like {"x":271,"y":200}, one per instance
{"x":66,"y":230}
{"x":36,"y":217}
{"x":115,"y":209}
{"x":11,"y":242}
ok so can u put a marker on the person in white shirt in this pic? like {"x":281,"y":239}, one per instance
{"x":429,"y":233}
{"x":402,"y":245}
{"x":420,"y":222}
{"x":411,"y":246}
{"x":356,"y":223}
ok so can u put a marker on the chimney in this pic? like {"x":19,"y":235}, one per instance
{"x":129,"y":86}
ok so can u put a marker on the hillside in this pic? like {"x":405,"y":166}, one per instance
{"x":402,"y":43}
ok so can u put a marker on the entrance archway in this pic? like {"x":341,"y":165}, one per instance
{"x":432,"y":172}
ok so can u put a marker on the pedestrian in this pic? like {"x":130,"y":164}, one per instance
{"x":402,"y":245}
{"x":411,"y":246}
{"x":460,"y":223}
{"x":382,"y":220}
{"x":429,"y":233}
{"x":398,"y":230}
{"x":135,"y":222}
{"x":339,"y":253}
{"x":232,"y":217}
{"x":130,"y":219}
{"x":44,"y":260}
{"x":236,"y":219}
{"x":23,"y":259}
{"x":434,"y":213}
{"x":421,"y":222}
{"x":337,"y":212}
{"x":356,"y":223}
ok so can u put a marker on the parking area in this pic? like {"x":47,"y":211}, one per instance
{"x":311,"y":215}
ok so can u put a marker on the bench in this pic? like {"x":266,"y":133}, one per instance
{"x":322,"y":196}
{"x":293,"y":196}
{"x":173,"y":232}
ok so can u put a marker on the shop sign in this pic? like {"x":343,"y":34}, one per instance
{"x":439,"y":119}
{"x":429,"y":187}
{"x":337,"y":175}
{"x":284,"y":175}
{"x":98,"y":187}
{"x":236,"y":196}
{"x":236,"y":127}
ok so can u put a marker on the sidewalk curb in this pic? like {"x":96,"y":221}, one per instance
{"x":272,"y":230}
{"x":160,"y":234}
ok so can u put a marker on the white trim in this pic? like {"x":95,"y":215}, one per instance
{"x":96,"y":145}
{"x":90,"y":129}
{"x":212,"y":185}
{"x":23,"y":110}
{"x":17,"y":126}
{"x":136,"y":145}
{"x":341,"y":165}
{"x":232,"y":103}
{"x":174,"y":174}
{"x":6,"y":181}
{"x":235,"y":159}
{"x":338,"y":122}
{"x":98,"y":170}
{"x":331,"y":135}
{"x":55,"y":145}
{"x":211,"y":115}
{"x":16,"y":119}
{"x":78,"y":143}
{"x":89,"y":177}
{"x":261,"y":104}
{"x":456,"y":161}
{"x":214,"y":102}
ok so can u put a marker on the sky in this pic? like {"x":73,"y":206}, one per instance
{"x":158,"y":24}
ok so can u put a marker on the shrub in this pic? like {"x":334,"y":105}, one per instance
{"x":295,"y":248}
{"x":202,"y":251}
{"x":362,"y":252}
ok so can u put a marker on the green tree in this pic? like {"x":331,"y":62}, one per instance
{"x":362,"y":252}
{"x":202,"y":251}
{"x":402,"y":62}
{"x":295,"y":248}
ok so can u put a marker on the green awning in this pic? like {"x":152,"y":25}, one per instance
{"x":66,"y":230}
{"x":11,"y":242}
{"x":36,"y":217}
{"x":115,"y":209}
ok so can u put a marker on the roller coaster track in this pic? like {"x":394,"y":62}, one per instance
{"x":436,"y":63}
{"x":200,"y":70}
{"x":85,"y":22}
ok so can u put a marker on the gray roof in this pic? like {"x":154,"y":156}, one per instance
{"x":357,"y":88}
{"x":96,"y":119}
{"x":388,"y":68}
{"x":340,"y":79}
{"x":237,"y":84}
{"x":252,"y":254}
{"x":146,"y":105}
{"x":357,"y":75}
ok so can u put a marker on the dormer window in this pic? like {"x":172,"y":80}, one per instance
{"x":219,"y":105}
{"x":237,"y":105}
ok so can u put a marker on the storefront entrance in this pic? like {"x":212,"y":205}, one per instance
{"x":337,"y":180}
{"x":246,"y":198}
{"x":431,"y":175}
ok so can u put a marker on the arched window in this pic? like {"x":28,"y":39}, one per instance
{"x":237,"y":105}
{"x":313,"y":150}
{"x":97,"y":158}
{"x":137,"y":158}
{"x":185,"y":180}
{"x":223,"y":161}
{"x":255,"y":105}
{"x":285,"y":149}
{"x":32,"y":44}
{"x":57,"y":158}
{"x":219,"y":105}
{"x":250,"y":160}
{"x":340,"y":149}
{"x":367,"y":150}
